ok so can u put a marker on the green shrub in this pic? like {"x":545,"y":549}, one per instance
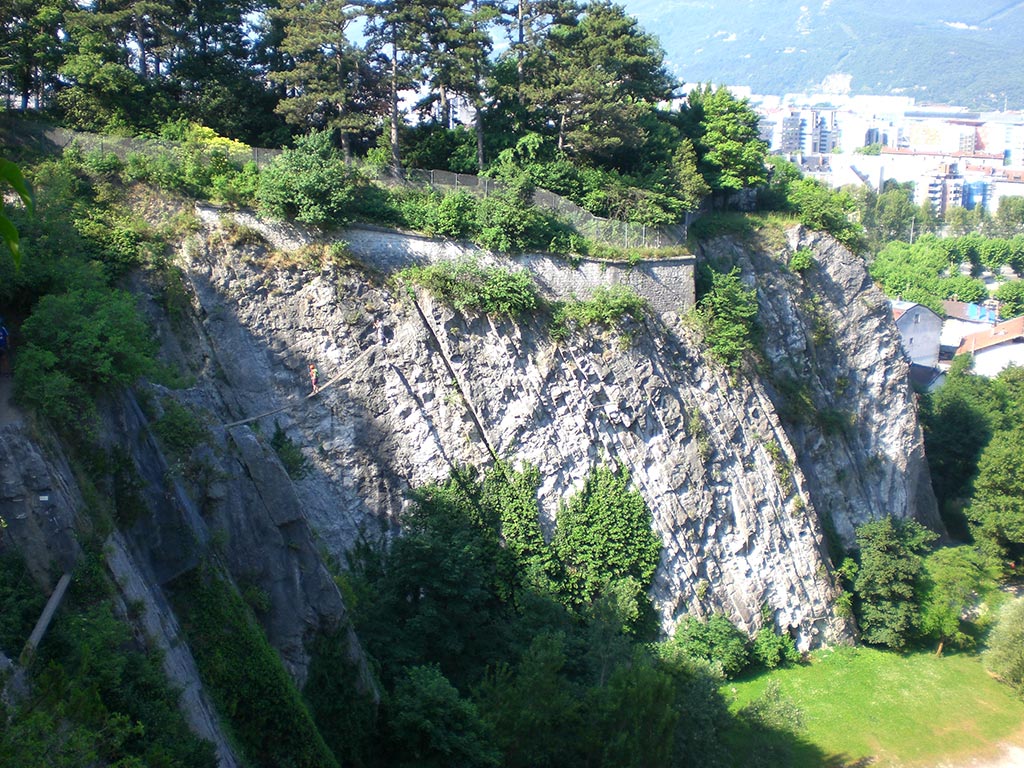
{"x":21,"y":602}
{"x":291,"y":456}
{"x":245,"y":678}
{"x":98,"y":698}
{"x":802,"y":260}
{"x":468,"y":286}
{"x":311,"y":183}
{"x":102,"y":163}
{"x":345,"y":714}
{"x":771,"y":649}
{"x":179,"y":429}
{"x":717,"y":640}
{"x":456,"y":215}
{"x":606,"y":307}
{"x":603,"y":535}
{"x":77,"y":343}
{"x":727,"y":313}
{"x":504,"y":223}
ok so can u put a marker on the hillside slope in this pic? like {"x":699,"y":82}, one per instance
{"x":936,"y":51}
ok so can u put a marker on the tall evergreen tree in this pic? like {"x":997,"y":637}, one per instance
{"x":31,"y":48}
{"x":594,"y":79}
{"x":458,"y":45}
{"x":396,"y":31}
{"x":327,"y":80}
{"x":101,"y":91}
{"x":724,"y":128}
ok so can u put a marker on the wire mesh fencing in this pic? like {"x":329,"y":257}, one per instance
{"x":48,"y":138}
{"x":623,"y":234}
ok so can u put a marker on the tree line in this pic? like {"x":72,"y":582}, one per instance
{"x":576,"y":91}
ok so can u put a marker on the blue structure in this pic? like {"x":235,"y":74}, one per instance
{"x":981,"y":314}
{"x":975,"y":193}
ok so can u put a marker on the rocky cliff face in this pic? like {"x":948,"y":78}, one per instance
{"x":737,"y":493}
{"x":838,"y":377}
{"x":745,"y":475}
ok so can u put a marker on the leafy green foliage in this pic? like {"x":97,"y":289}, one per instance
{"x":97,"y":695}
{"x":468,"y":286}
{"x":726,"y":129}
{"x":605,"y":308}
{"x":716,"y":640}
{"x":345,"y":714}
{"x":76,"y":343}
{"x":1004,"y":656}
{"x":439,"y":593}
{"x":888,"y":580}
{"x":802,"y":260}
{"x":727,"y":312}
{"x":772,"y":649}
{"x":912,"y":271}
{"x":996,"y":511}
{"x":821,"y":208}
{"x":244,"y":675}
{"x":604,"y":535}
{"x":21,"y":602}
{"x":506,"y":221}
{"x":311,"y":183}
{"x":179,"y":429}
{"x":434,"y":726}
{"x":953,"y":579}
{"x":1011,"y":298}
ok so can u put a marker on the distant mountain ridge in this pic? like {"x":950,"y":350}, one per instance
{"x":940,"y":51}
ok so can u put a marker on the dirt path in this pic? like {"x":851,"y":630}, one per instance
{"x":1007,"y":754}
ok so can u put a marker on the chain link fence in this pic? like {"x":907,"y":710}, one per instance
{"x":621,"y":234}
{"x":47,"y":138}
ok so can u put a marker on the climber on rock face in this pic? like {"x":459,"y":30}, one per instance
{"x":314,"y":379}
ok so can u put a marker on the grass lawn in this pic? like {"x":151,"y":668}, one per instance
{"x":913,"y":710}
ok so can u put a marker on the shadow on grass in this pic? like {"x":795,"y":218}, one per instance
{"x":768,"y":732}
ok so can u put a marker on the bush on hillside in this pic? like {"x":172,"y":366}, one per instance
{"x":716,"y":640}
{"x":311,"y":183}
{"x":467,"y":285}
{"x":76,"y":344}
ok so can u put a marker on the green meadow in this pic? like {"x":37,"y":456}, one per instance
{"x":862,"y":706}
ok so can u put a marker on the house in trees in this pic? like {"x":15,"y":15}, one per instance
{"x":996,"y":348}
{"x":920,"y":329}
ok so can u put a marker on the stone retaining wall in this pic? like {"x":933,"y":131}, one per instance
{"x":667,"y":284}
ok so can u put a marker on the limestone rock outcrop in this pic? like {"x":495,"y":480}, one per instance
{"x":737,"y":493}
{"x":838,"y":376}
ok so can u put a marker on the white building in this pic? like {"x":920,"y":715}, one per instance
{"x":920,"y":329}
{"x":996,"y":348}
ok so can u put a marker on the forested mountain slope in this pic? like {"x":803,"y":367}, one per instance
{"x":944,"y":52}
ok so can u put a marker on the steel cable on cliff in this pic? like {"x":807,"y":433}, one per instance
{"x":327,"y":385}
